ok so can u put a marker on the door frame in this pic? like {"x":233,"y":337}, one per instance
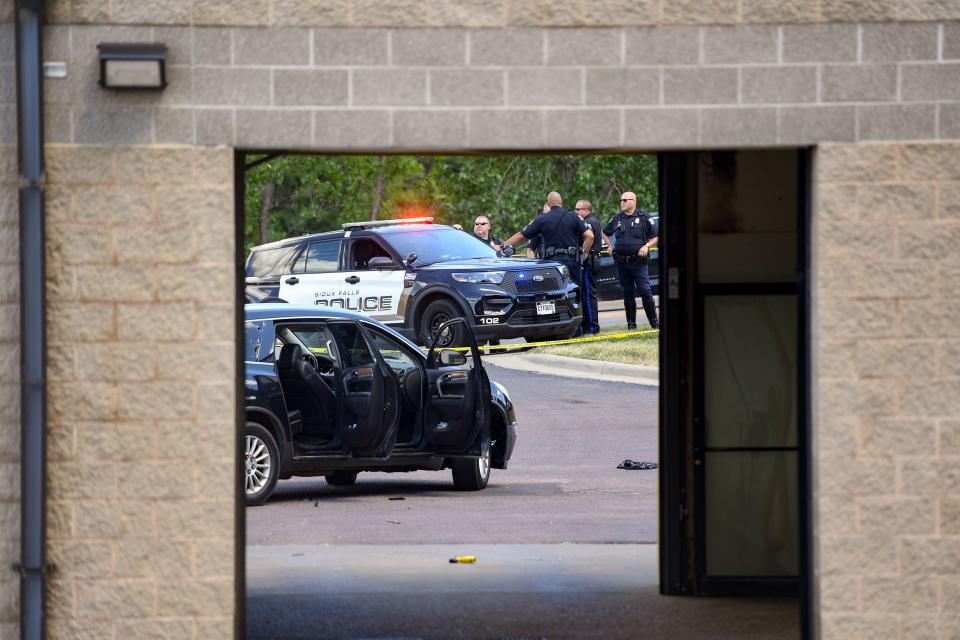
{"x":678,"y":200}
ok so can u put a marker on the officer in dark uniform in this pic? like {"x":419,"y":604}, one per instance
{"x":588,"y":276}
{"x":562,"y":233}
{"x":634,"y":232}
{"x":533,"y":246}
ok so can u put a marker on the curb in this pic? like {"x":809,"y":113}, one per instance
{"x":576,"y":367}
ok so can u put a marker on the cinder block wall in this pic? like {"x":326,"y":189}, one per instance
{"x":9,"y":388}
{"x":888,"y":379}
{"x":358,"y":75}
{"x":141,"y":379}
{"x":9,"y":335}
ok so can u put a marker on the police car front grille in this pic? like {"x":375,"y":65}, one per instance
{"x":529,"y":316}
{"x":526,"y":282}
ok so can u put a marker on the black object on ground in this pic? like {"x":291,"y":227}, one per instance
{"x":634,"y":465}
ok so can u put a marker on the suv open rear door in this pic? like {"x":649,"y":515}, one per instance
{"x":368,"y":413}
{"x":458,"y":404}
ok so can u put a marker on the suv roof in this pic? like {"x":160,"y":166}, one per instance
{"x":399,"y":227}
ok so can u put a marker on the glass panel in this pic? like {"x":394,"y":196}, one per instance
{"x":750,"y":363}
{"x":354,"y":352}
{"x":751,"y":511}
{"x":322,"y":257}
{"x":747,"y":216}
{"x":252,"y":332}
{"x":395,"y":355}
{"x":269,"y":262}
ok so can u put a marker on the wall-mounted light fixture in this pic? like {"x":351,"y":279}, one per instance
{"x":132,"y":66}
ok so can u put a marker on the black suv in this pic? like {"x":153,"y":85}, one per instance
{"x":414,"y":276}
{"x":332,"y":393}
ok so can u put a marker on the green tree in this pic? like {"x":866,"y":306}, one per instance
{"x":296,"y":194}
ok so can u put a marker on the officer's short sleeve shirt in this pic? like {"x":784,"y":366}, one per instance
{"x":611,"y":226}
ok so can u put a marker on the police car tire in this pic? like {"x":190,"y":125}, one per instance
{"x":467,"y":473}
{"x":258,"y":431}
{"x":341,"y":478}
{"x":441,"y":307}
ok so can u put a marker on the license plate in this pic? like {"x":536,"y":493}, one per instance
{"x":546,"y":308}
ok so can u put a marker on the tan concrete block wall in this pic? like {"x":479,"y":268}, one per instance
{"x":9,"y":393}
{"x":494,"y":13}
{"x":887,"y":341}
{"x":141,"y":410}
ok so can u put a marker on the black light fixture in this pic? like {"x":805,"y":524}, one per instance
{"x":132,"y":66}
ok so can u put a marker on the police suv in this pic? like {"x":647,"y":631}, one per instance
{"x":414,"y":276}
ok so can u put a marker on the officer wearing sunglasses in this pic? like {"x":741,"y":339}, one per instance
{"x":634,"y":232}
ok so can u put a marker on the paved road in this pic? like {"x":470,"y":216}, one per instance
{"x":576,"y":591}
{"x":562,"y":484}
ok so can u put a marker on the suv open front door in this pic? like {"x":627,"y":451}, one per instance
{"x":369,"y":408}
{"x":458,"y":404}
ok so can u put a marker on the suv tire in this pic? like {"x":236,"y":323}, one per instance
{"x":436,"y":313}
{"x":341,"y":478}
{"x":472,"y":474}
{"x":262,"y":463}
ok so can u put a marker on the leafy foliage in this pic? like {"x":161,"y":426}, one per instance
{"x":319,"y":193}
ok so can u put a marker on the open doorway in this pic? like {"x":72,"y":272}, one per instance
{"x":561,"y":487}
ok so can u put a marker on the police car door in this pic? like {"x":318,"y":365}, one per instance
{"x":459,"y":408}
{"x":314,"y":278}
{"x":371,"y":282}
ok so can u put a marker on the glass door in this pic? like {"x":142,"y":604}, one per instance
{"x":746,"y":399}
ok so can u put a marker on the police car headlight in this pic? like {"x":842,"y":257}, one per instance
{"x":564,"y":272}
{"x":479,"y":277}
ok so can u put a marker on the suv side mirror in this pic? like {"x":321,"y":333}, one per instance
{"x":451,"y":358}
{"x":381,"y":262}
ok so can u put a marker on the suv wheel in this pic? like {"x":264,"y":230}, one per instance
{"x":472,"y":474}
{"x":261,"y":464}
{"x":436,"y":313}
{"x":341,"y":478}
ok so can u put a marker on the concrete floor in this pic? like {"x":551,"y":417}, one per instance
{"x":513,"y":591}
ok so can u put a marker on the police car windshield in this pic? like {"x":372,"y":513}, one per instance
{"x":438,"y":244}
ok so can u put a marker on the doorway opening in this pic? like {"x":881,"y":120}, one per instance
{"x":552,"y":502}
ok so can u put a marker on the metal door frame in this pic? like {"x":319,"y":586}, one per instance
{"x":678,"y":571}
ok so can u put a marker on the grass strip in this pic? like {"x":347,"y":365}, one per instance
{"x":642,"y":349}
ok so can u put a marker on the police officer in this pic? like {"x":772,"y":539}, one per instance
{"x":588,"y":275}
{"x":561,"y":231}
{"x":481,"y":231}
{"x":533,"y":246}
{"x":634,"y":234}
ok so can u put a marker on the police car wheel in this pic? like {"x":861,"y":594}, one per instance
{"x":261,"y":464}
{"x":436,"y":313}
{"x":341,"y":478}
{"x":472,"y":474}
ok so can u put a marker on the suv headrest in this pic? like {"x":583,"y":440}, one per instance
{"x":290,"y":355}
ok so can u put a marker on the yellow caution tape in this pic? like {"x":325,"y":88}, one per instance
{"x":525,"y":345}
{"x":545,"y":343}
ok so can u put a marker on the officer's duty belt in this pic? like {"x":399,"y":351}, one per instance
{"x":626,"y":257}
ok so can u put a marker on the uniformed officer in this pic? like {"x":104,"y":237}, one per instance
{"x":588,"y":275}
{"x":533,"y":246}
{"x":634,"y":233}
{"x":562,"y":233}
{"x":481,"y":231}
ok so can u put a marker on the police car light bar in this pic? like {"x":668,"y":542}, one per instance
{"x":385,"y":223}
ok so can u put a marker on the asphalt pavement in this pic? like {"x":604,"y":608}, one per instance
{"x":512,"y":591}
{"x":564,"y":541}
{"x":562,"y":484}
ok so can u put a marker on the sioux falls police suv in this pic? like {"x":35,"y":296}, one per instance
{"x":415,"y":276}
